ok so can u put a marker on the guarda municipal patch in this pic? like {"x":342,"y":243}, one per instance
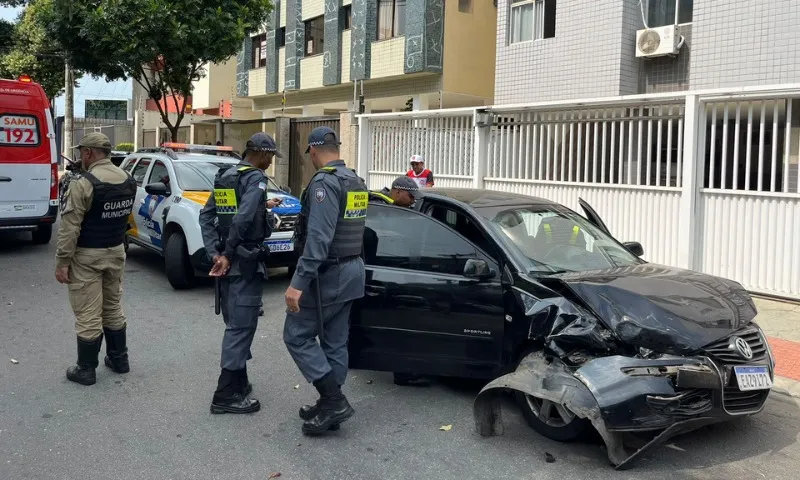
{"x":319,"y":194}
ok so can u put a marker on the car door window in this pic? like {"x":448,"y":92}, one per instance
{"x":463,"y":224}
{"x":159,"y":173}
{"x":129,"y":166}
{"x":140,"y":170}
{"x":401,"y":238}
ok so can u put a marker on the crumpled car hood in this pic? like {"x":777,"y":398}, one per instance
{"x":665,"y":309}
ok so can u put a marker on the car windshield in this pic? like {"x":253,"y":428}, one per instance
{"x":556,"y":240}
{"x":199,"y":176}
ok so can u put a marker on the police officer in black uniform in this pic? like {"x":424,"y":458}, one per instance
{"x":329,"y":277}
{"x":234,"y":224}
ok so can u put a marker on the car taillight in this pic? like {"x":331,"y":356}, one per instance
{"x":53,"y":181}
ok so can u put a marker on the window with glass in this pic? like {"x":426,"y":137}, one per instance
{"x":391,"y":19}
{"x":159,"y":173}
{"x":554,"y":240}
{"x":532,"y":20}
{"x":259,"y":51}
{"x":401,"y":238}
{"x":280,"y":37}
{"x":347,"y":16}
{"x":669,"y":12}
{"x":315,"y":36}
{"x":140,"y":170}
{"x":198,"y":176}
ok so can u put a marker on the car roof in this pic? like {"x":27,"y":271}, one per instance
{"x":478,"y":198}
{"x":187,"y":157}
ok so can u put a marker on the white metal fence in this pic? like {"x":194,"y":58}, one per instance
{"x":705,"y":180}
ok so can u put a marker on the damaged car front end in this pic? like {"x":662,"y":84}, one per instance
{"x":641,"y":349}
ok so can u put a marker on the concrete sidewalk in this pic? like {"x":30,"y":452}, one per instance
{"x":781,"y":323}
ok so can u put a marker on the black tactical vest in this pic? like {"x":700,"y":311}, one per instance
{"x":106,"y":221}
{"x":227,"y":193}
{"x":348,"y":238}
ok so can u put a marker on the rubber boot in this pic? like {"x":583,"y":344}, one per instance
{"x":116,"y":350}
{"x":228,"y":398}
{"x":85,"y":370}
{"x":410,"y":380}
{"x":332,"y":408}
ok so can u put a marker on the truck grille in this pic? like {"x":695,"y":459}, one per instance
{"x":724,"y":351}
{"x":287,"y":223}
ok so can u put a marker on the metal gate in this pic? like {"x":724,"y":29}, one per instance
{"x":300,"y":168}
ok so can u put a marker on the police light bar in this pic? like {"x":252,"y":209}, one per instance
{"x":189,"y":146}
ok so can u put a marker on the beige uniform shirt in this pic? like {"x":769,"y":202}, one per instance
{"x":77,"y":201}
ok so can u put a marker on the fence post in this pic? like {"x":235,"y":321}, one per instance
{"x":480,"y":156}
{"x":690,"y":217}
{"x":364,"y":139}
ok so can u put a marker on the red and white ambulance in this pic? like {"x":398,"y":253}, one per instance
{"x":28,"y":160}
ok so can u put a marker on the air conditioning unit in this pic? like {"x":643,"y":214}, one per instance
{"x":657,"y":42}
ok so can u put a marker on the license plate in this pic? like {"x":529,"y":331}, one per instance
{"x":281,"y":246}
{"x":752,"y":378}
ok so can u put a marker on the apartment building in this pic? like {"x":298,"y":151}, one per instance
{"x":569,"y":49}
{"x":317,"y":57}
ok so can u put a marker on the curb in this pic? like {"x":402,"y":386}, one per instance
{"x":786,"y":386}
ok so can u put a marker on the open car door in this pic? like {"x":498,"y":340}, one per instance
{"x":593,"y":217}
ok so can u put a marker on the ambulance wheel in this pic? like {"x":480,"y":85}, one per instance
{"x":42,"y":234}
{"x":176,"y":259}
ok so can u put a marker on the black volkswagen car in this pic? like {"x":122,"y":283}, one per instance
{"x":546,"y":304}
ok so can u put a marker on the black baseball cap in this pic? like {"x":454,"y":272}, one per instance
{"x":322,"y":136}
{"x":261,"y":142}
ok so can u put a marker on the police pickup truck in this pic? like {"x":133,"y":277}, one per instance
{"x":175,"y":181}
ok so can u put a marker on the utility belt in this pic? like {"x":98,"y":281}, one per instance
{"x":252,"y":252}
{"x":329,"y":262}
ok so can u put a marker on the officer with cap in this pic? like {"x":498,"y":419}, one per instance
{"x":90,"y":257}
{"x":234,"y":225}
{"x":404,"y":193}
{"x":329,"y":277}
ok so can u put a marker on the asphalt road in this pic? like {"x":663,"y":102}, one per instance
{"x":154,"y":422}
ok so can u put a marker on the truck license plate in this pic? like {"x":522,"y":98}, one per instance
{"x":752,"y":378}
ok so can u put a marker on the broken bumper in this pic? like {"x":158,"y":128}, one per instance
{"x":620,"y":395}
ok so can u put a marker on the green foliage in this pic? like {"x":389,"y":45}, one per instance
{"x":125,"y":147}
{"x":161,"y":44}
{"x":31,"y":51}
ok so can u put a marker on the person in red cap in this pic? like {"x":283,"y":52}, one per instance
{"x":421,"y":175}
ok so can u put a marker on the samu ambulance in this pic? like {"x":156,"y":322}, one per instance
{"x":28,"y":160}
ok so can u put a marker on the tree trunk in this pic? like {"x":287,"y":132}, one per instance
{"x":69,"y":110}
{"x":173,"y":131}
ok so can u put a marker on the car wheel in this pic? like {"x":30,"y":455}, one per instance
{"x":176,"y":260}
{"x":42,"y":234}
{"x":553,"y":420}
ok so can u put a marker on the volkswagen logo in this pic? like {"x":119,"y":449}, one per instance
{"x":742,"y":347}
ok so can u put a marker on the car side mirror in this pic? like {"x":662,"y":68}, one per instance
{"x":157,"y":188}
{"x":477,"y":268}
{"x":287,"y":189}
{"x":635,"y":248}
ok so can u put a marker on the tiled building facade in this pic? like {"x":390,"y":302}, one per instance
{"x":567,"y":49}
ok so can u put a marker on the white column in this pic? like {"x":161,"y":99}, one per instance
{"x":691,"y":180}
{"x":481,"y":155}
{"x":420,"y":102}
{"x":138,"y":124}
{"x":364,"y":148}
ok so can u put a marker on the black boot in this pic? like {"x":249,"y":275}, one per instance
{"x":332,"y":409}
{"x":228,"y":398}
{"x":410,"y":380}
{"x":246,"y":386}
{"x":307,"y":412}
{"x":116,"y":350}
{"x":84,"y":371}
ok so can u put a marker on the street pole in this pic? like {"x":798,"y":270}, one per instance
{"x":69,"y":109}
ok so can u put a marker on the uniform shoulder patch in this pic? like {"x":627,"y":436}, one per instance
{"x":319,"y":194}
{"x":262,"y":186}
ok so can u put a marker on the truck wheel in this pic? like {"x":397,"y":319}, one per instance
{"x":176,"y":260}
{"x":42,"y":234}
